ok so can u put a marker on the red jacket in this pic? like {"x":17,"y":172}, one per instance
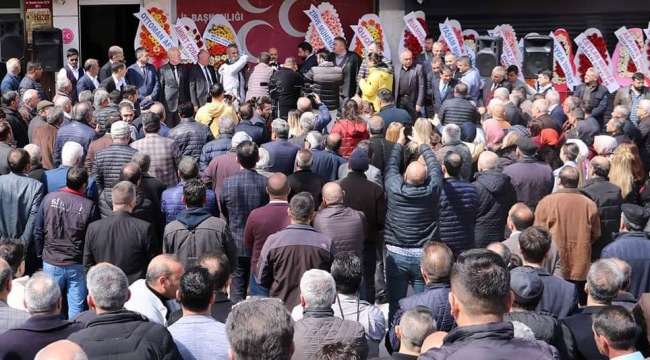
{"x":352,"y":132}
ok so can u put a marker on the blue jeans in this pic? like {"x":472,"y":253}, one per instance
{"x":256,"y":288}
{"x":72,"y":281}
{"x":400,"y":272}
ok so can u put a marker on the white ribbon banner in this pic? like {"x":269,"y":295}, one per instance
{"x":187,"y":43}
{"x":447,"y":32}
{"x":561,"y":57}
{"x":217,"y":39}
{"x":321,"y":27}
{"x":627,"y":39}
{"x":363,"y":35}
{"x":157,"y":31}
{"x":598,"y":62}
{"x":415,"y":27}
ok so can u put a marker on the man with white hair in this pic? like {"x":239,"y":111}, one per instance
{"x":643,"y":113}
{"x":451,"y":141}
{"x":36,"y":161}
{"x":11,"y":80}
{"x":117,"y":332}
{"x":593,"y":94}
{"x":539,"y":112}
{"x":303,"y":178}
{"x":319,"y":326}
{"x":9,"y":317}
{"x":65,"y":104}
{"x":109,"y":161}
{"x":413,"y":328}
{"x":554,"y":108}
{"x":497,"y":80}
{"x":43,"y":302}
{"x":224,"y":165}
{"x":64,"y":87}
{"x":220,"y":145}
{"x":71,"y":156}
{"x":282,"y":152}
{"x":409,"y":85}
{"x":307,"y":124}
{"x":59,"y":235}
{"x":28,"y":105}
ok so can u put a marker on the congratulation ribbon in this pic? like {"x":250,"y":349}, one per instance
{"x":217,"y":39}
{"x":454,"y":44}
{"x":598,"y":62}
{"x":187,"y":43}
{"x":157,"y":31}
{"x":415,"y":27}
{"x":363,"y":35}
{"x":561,"y":57}
{"x":627,"y":39}
{"x":321,"y":27}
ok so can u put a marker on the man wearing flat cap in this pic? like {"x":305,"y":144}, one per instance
{"x":527,"y":289}
{"x":42,"y":110}
{"x":632,"y":245}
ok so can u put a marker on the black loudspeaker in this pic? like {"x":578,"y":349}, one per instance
{"x":538,"y":55}
{"x":12,"y":42}
{"x":489,"y":54}
{"x":48,"y":48}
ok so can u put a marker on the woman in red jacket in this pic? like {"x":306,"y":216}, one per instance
{"x":351,"y":127}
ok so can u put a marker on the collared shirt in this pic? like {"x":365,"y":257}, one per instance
{"x":118,"y":83}
{"x":94,"y":80}
{"x":200,"y":337}
{"x":206,"y":73}
{"x":633,"y":356}
{"x":75,"y":71}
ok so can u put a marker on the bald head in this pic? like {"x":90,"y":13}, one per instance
{"x":277,"y":186}
{"x":569,"y":177}
{"x":376,"y":125}
{"x":61,"y":350}
{"x":162,"y":265}
{"x":520,"y":217}
{"x":487,"y":161}
{"x":332,"y":193}
{"x":333,"y":141}
{"x":599,"y":166}
{"x":436,"y":262}
{"x":304,"y":104}
{"x":415,"y":174}
{"x":304,"y":159}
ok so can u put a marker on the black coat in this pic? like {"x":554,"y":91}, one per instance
{"x":583,"y":336}
{"x":495,"y":196}
{"x":306,"y":180}
{"x":125,"y":335}
{"x":326,"y":80}
{"x":633,"y":247}
{"x":257,"y":131}
{"x":350,"y":65}
{"x":123,"y":240}
{"x":364,"y":195}
{"x":489,"y":342}
{"x":18,"y":126}
{"x":547,"y":329}
{"x":607,"y":197}
{"x":380,"y":149}
{"x":457,"y":111}
{"x":284,"y":87}
{"x":411,"y":214}
{"x":190,"y":136}
{"x":24,"y":341}
{"x":598,"y":100}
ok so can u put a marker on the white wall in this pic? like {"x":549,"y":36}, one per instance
{"x":392,"y":14}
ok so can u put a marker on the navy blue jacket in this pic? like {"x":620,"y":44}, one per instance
{"x":558,"y":115}
{"x":85,"y":83}
{"x":458,"y":205}
{"x":9,"y":83}
{"x":634,"y":248}
{"x":496,"y":195}
{"x":147,"y":82}
{"x":391,"y":113}
{"x":74,"y":131}
{"x":282,"y":154}
{"x":38,"y":331}
{"x":559,"y":298}
{"x":412,"y":214}
{"x":598,"y":100}
{"x":214,"y":148}
{"x":172,"y":202}
{"x":256,"y":131}
{"x":326,"y":163}
{"x":435,"y":297}
{"x":583,"y":335}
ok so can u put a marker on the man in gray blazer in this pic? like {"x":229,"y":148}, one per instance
{"x":9,"y":317}
{"x":202,"y":77}
{"x":409,"y":85}
{"x":173,"y":85}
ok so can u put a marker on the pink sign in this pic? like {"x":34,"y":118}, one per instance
{"x":68,"y":35}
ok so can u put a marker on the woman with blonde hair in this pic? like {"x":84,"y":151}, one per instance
{"x":293,"y":118}
{"x":624,"y":172}
{"x":422,"y":133}
{"x":393,"y":130}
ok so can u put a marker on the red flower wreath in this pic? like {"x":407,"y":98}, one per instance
{"x":584,"y":62}
{"x":411,"y":42}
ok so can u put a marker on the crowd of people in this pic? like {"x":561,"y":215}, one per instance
{"x":269,"y":211}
